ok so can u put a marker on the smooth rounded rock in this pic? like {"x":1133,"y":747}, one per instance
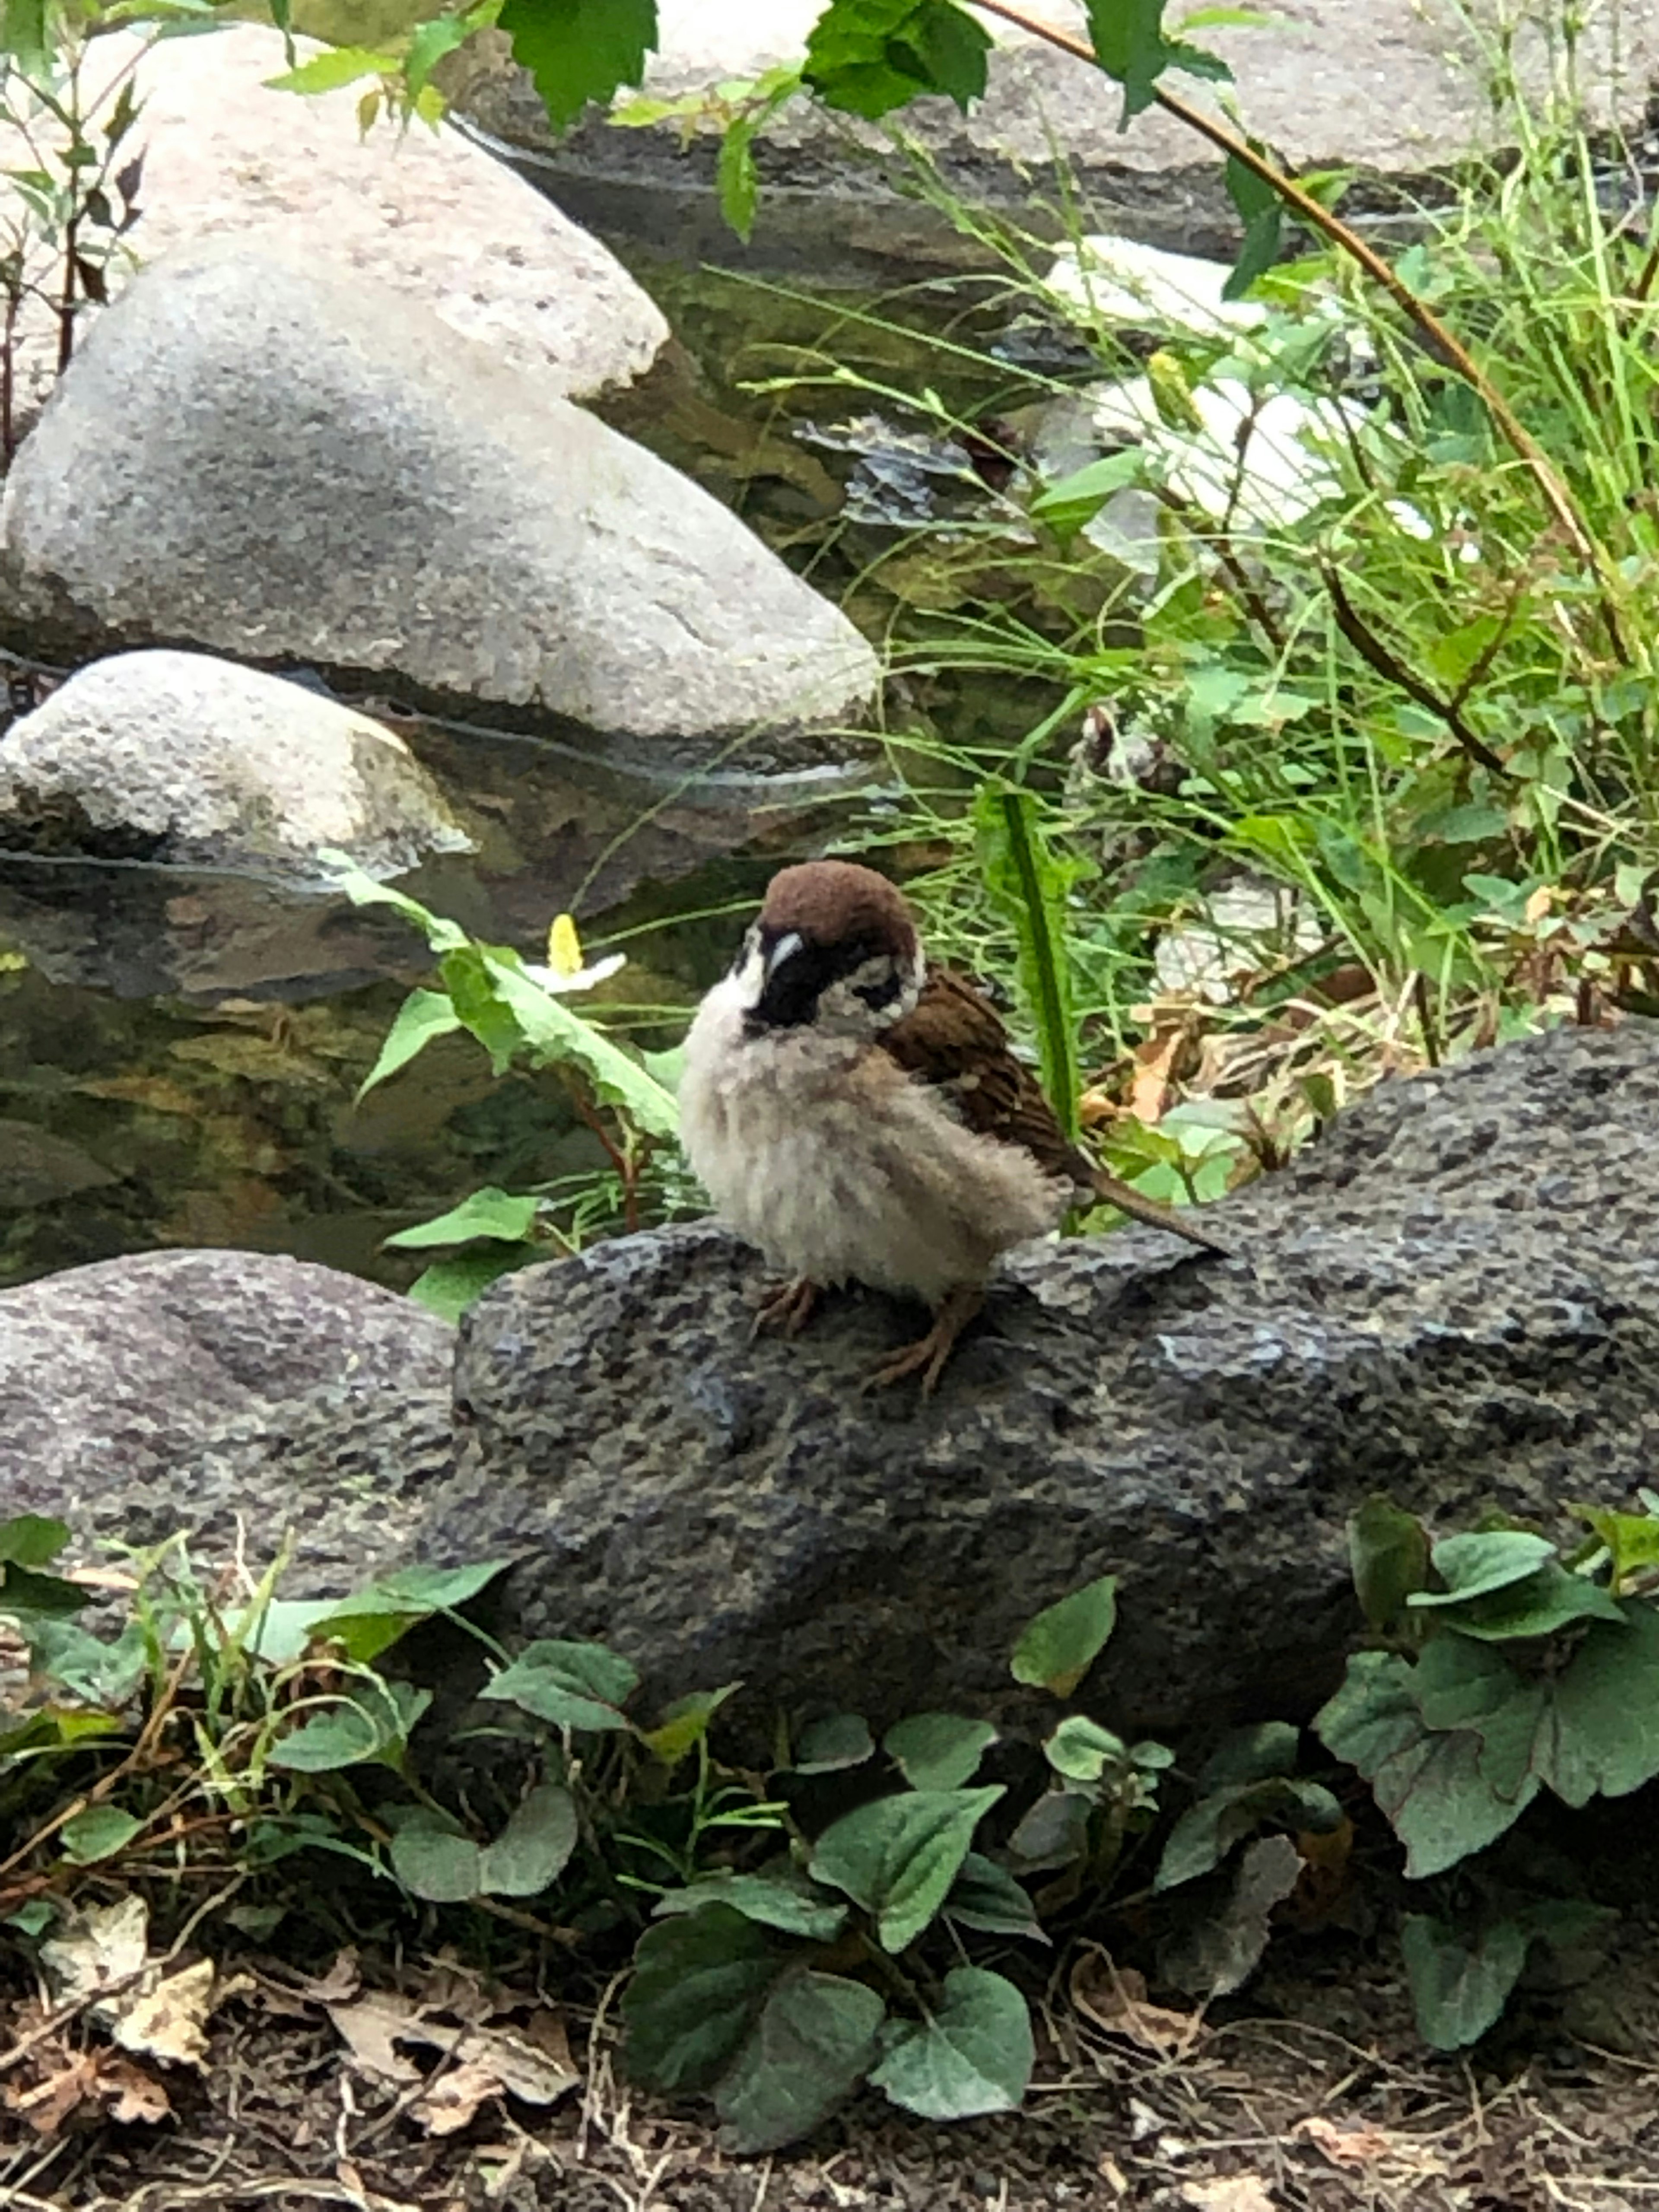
{"x":269,"y":460}
{"x":191,"y":761}
{"x":1452,"y":1297}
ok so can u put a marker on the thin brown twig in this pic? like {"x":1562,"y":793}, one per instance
{"x":1388,"y":663}
{"x":1556,"y":497}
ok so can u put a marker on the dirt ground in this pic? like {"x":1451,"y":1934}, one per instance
{"x":1318,"y":2098}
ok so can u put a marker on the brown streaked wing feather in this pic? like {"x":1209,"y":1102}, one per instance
{"x":955,"y":1040}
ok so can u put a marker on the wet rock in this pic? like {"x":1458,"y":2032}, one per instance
{"x":428,"y":213}
{"x":236,"y":1395}
{"x":1395,"y":93}
{"x":1453,"y":1296}
{"x":268,"y":460}
{"x":194,"y":762}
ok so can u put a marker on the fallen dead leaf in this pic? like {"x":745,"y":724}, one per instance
{"x":169,"y":2020}
{"x":1154,"y":1077}
{"x":533,"y":2063}
{"x":1360,"y":2146}
{"x":1114,"y":1999}
{"x":130,"y":2093}
{"x":370,"y":2026}
{"x":454,"y":2099}
{"x":46,"y":2104}
{"x":1231,"y":2193}
{"x":103,"y":1946}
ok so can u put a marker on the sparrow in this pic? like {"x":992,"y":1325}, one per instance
{"x":857,"y":1112}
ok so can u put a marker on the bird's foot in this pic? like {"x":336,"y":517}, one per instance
{"x":787,"y":1307}
{"x":927,"y":1355}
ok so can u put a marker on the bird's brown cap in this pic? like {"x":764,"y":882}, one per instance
{"x":828,"y":901}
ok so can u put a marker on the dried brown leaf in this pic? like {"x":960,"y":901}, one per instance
{"x":1230,"y":2192}
{"x":370,"y":2026}
{"x":130,"y":2093}
{"x":1359,"y":2146}
{"x":169,"y":2020}
{"x":1114,"y":1999}
{"x":454,"y":2099}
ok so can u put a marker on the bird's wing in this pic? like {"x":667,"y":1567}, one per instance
{"x":954,"y":1041}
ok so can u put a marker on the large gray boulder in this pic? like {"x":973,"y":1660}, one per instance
{"x":272,"y":461}
{"x":236,"y":1395}
{"x":421,"y":211}
{"x":1453,"y":1294}
{"x":1393,"y":92}
{"x":195,"y":761}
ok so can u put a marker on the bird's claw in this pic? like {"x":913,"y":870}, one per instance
{"x":787,"y":1307}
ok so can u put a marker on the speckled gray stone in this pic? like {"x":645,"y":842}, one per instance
{"x":1453,"y":1296}
{"x":183,"y":1389}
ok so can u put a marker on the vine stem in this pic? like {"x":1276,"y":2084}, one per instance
{"x":1556,"y":497}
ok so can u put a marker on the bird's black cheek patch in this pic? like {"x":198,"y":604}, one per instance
{"x":790,"y":999}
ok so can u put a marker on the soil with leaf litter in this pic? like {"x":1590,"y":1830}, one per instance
{"x":382,"y":2086}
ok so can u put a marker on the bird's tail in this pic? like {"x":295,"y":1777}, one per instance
{"x":1178,"y":1221}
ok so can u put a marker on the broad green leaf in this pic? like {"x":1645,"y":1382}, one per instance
{"x":868,"y":57}
{"x":1256,"y":1754}
{"x":808,"y":2049}
{"x":1060,"y":1646}
{"x":560,"y":1038}
{"x":937,"y":1750}
{"x":1082,"y":1750}
{"x":370,"y":1620}
{"x":29,"y":1596}
{"x":480,"y":1007}
{"x":974,"y":2055}
{"x":334,"y":67}
{"x":737,"y":180}
{"x":1217,"y":1952}
{"x":429,"y":42}
{"x":28,"y":1540}
{"x":490,"y":1211}
{"x":1606,"y":1710}
{"x":1054,"y":1832}
{"x":370,"y":1726}
{"x":782,"y":1898}
{"x":1389,"y":1553}
{"x":1538,"y":1605}
{"x":86,"y":1666}
{"x":1208,"y":1831}
{"x":986,"y":1897}
{"x":422,"y":1016}
{"x":1485,"y":1560}
{"x":51,"y":1729}
{"x":449,"y":1286}
{"x":1428,"y":1785}
{"x":1072,"y":503}
{"x":1028,"y":886}
{"x":580,"y":50}
{"x":1460,"y":1990}
{"x":685,"y":1724}
{"x":1130,"y":45}
{"x":99,"y":1833}
{"x":840,"y":1740}
{"x":534,"y":1848}
{"x":23,"y":32}
{"x":363,"y":890}
{"x":436,"y":1860}
{"x":898,"y":1856}
{"x":577,"y":1686}
{"x":699,"y":1980}
{"x":1631,"y":1539}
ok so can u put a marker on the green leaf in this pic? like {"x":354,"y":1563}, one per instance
{"x":448,"y":1287}
{"x":867,"y":57}
{"x":898,"y":1857}
{"x":1052,"y":1832}
{"x":27,"y":1540}
{"x":435,"y":1859}
{"x":85,"y":1665}
{"x":986,"y":1897}
{"x":808,"y":2049}
{"x":780,"y":1897}
{"x":23,"y":32}
{"x":737,"y":182}
{"x":363,"y":890}
{"x":369,"y":1726}
{"x":480,"y":1007}
{"x":1606,"y":1710}
{"x":1428,"y":1785}
{"x":558,"y":1037}
{"x":334,"y":67}
{"x":685,"y":1724}
{"x":1060,"y":1646}
{"x":1538,"y":1605}
{"x":534,"y":1848}
{"x":1262,"y":213}
{"x":428,"y":43}
{"x":973,"y":2055}
{"x":937,"y":1750}
{"x":1256,"y":1754}
{"x":490,"y":1211}
{"x":422,"y":1016}
{"x":698,"y":1983}
{"x":1082,"y":1750}
{"x":840,"y":1740}
{"x":1072,"y":503}
{"x":1631,"y":1539}
{"x":1459,"y":1989}
{"x":580,"y":50}
{"x":99,"y":1833}
{"x":1483,"y":1561}
{"x":1389,"y":1553}
{"x":1208,"y":1831}
{"x":577,"y":1686}
{"x":29,"y":1597}
{"x":1131,"y":47}
{"x":1028,"y":886}
{"x":370,"y":1620}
